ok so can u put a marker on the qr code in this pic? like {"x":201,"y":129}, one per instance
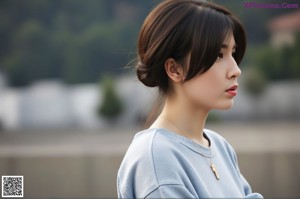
{"x":12,"y":186}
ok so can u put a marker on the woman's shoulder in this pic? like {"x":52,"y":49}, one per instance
{"x":157,"y":149}
{"x":149,"y":157}
{"x":149,"y":146}
{"x":156,"y":141}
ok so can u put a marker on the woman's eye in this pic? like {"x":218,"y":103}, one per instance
{"x":220,"y":56}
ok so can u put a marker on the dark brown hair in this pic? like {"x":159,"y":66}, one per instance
{"x":176,"y":27}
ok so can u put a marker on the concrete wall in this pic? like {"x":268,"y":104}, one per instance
{"x":273,"y":175}
{"x":85,"y":165}
{"x":65,"y":177}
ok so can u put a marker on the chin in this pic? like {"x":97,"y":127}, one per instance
{"x":224,"y":106}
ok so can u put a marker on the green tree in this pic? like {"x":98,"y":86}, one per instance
{"x":32,"y":56}
{"x":279,"y":64}
{"x":111,"y":106}
{"x":255,"y":81}
{"x":70,"y":40}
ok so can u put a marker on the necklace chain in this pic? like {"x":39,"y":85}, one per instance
{"x":182,"y":132}
{"x":212,"y":166}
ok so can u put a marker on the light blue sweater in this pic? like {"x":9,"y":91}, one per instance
{"x":163,"y":164}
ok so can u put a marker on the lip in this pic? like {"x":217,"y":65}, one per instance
{"x":232,"y":90}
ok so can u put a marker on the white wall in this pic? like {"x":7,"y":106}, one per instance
{"x":51,"y":104}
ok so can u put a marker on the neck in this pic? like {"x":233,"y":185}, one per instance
{"x":183,"y":118}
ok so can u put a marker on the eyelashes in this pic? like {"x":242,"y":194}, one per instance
{"x":221,"y":55}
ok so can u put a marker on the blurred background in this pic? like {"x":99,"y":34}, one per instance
{"x":70,"y":102}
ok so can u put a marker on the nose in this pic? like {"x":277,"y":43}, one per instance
{"x":234,"y":71}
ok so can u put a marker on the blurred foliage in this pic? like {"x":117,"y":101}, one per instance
{"x":279,"y":64}
{"x":255,"y":20}
{"x":111,"y":106}
{"x":255,"y":81}
{"x":74,"y":40}
{"x":78,"y":40}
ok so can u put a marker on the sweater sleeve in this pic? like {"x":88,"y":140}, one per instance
{"x":246,"y":187}
{"x":170,"y":191}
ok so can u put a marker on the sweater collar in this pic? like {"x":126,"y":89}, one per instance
{"x":197,"y":148}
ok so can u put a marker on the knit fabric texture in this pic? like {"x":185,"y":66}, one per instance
{"x":163,"y":164}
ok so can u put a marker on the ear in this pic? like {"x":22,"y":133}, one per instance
{"x":174,"y":70}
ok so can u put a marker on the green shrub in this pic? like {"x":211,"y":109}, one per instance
{"x":111,"y":106}
{"x":255,"y":81}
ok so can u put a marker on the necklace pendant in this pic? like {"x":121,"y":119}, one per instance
{"x":214,"y":170}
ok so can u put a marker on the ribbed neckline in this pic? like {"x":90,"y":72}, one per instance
{"x":192,"y":145}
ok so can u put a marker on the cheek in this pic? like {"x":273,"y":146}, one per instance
{"x":209,"y":83}
{"x":206,"y":89}
{"x":214,"y":80}
{"x":201,"y":90}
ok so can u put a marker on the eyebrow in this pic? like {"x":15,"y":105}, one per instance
{"x":226,"y":46}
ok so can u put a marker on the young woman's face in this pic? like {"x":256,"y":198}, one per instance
{"x":216,"y":88}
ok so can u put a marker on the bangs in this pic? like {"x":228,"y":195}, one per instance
{"x":213,"y":27}
{"x":182,"y":29}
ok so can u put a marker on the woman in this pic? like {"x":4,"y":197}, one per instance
{"x":190,"y":50}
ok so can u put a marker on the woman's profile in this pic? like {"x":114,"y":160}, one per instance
{"x":190,"y":50}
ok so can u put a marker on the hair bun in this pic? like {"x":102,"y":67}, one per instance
{"x":145,"y":74}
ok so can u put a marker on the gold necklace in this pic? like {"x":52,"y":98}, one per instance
{"x":212,"y":166}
